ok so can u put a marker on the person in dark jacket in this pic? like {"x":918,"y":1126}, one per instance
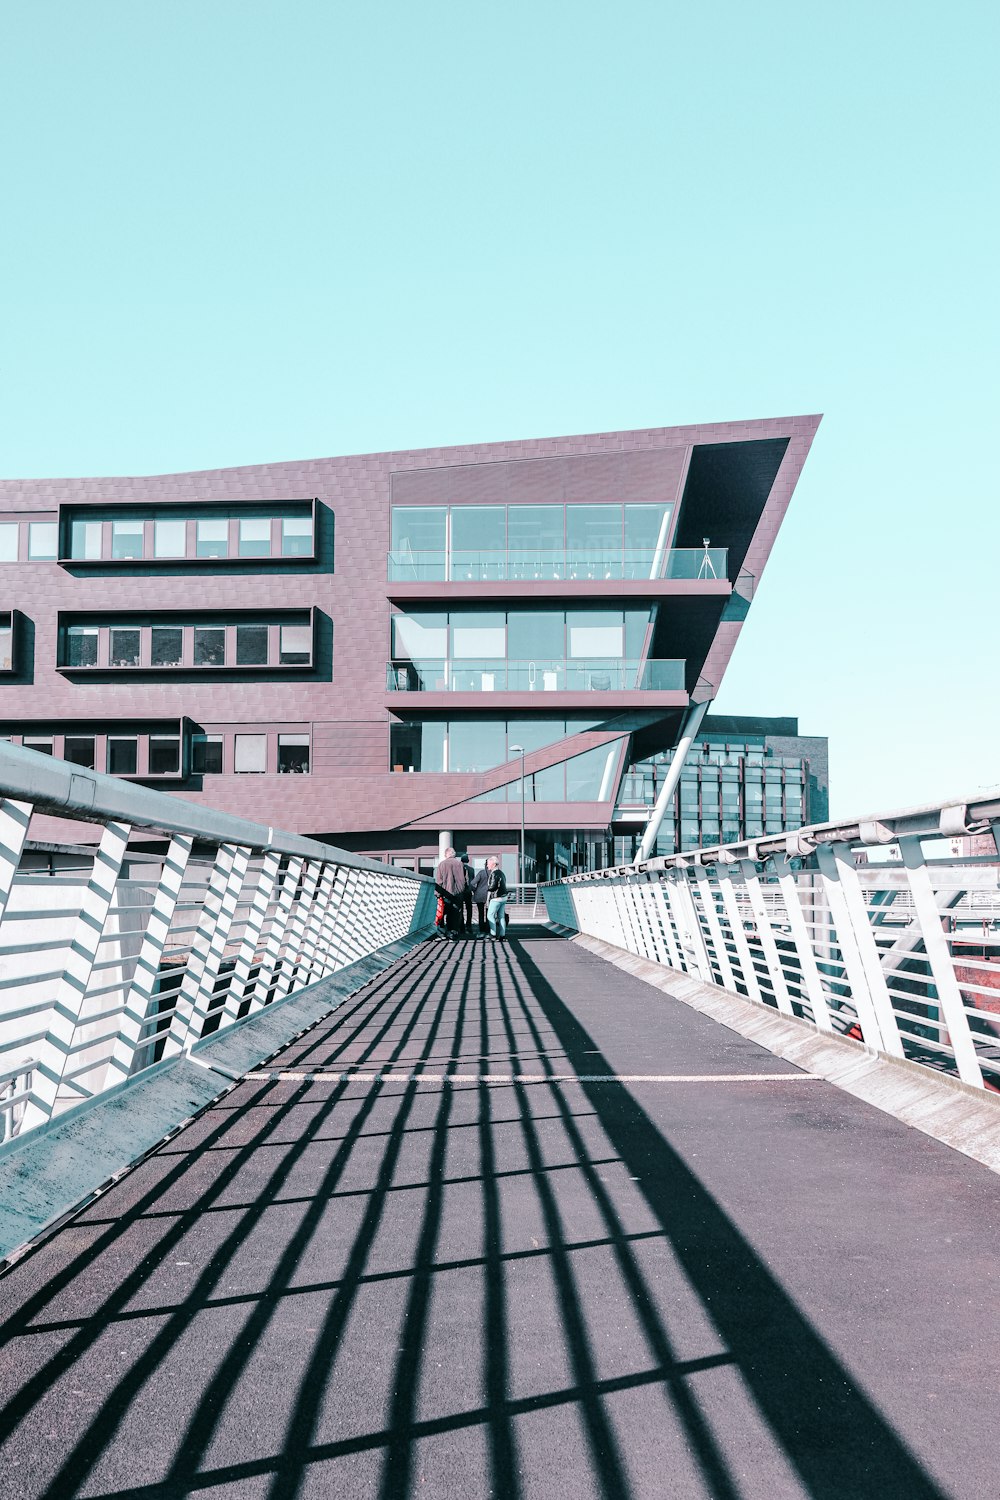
{"x":496,"y":911}
{"x":481,"y":896}
{"x":470,"y":876}
{"x":450,"y":883}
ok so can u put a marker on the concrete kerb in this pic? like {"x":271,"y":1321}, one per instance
{"x":54,"y":1171}
{"x":952,"y":1112}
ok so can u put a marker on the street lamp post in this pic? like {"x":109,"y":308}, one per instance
{"x":519,"y":750}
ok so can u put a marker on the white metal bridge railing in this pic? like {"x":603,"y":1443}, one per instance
{"x":900,"y":950}
{"x":181,"y":922}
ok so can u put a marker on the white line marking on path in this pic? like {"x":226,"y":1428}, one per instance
{"x":509,"y":1078}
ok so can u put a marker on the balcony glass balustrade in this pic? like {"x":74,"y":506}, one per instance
{"x":559,"y":564}
{"x":565,"y":675}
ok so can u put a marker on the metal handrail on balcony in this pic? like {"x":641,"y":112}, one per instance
{"x":556,"y":564}
{"x":137,"y":956}
{"x":567,"y":674}
{"x":898,"y":948}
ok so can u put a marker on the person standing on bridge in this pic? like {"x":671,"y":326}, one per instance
{"x":449,"y":882}
{"x":481,"y":896}
{"x":496,"y":911}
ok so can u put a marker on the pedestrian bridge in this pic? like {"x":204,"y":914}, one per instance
{"x":336,"y":1209}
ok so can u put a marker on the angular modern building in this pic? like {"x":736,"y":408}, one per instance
{"x":372,"y":649}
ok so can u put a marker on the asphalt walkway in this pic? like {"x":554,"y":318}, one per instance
{"x":515,"y":1224}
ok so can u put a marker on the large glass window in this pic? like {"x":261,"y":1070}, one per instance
{"x":535,"y":541}
{"x":209,"y":646}
{"x":169,"y":538}
{"x":40,"y":746}
{"x":123,"y":756}
{"x":593,"y":541}
{"x":596,"y":633}
{"x":251,"y":754}
{"x":590,"y":777}
{"x":251,"y":645}
{"x":212,"y":539}
{"x":79,"y":750}
{"x":295,"y":645}
{"x":418,"y":747}
{"x":534,"y":635}
{"x":293,"y":754}
{"x":421,"y":637}
{"x":576,"y":541}
{"x":296,"y":536}
{"x":206,"y":754}
{"x":85,"y":540}
{"x":166,"y":645}
{"x":8,"y":541}
{"x":126,"y":539}
{"x":81,"y":646}
{"x":164,"y":755}
{"x":418,"y":541}
{"x":478,"y":542}
{"x":646,"y":531}
{"x":476,"y":744}
{"x":124,"y":646}
{"x":479,"y":636}
{"x":42,"y":541}
{"x":255,"y":537}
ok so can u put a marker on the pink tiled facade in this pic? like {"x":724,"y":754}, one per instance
{"x":350,"y":794}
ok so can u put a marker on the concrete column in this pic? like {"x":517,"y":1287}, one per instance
{"x":445,"y":841}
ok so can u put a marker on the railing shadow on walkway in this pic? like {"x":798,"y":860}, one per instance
{"x":459,"y":1002}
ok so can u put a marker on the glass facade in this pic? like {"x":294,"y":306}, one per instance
{"x":527,"y":650}
{"x":483,"y":543}
{"x":472,"y":744}
{"x":729,"y":790}
{"x":589,"y":777}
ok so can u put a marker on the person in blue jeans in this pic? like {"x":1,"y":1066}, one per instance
{"x":496,"y":909}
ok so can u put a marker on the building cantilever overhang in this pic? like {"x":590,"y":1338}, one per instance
{"x":727,"y":485}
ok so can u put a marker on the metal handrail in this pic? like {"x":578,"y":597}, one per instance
{"x":239,"y":916}
{"x":57,"y":786}
{"x":894,"y":952}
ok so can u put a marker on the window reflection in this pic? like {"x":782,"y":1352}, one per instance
{"x":600,"y":541}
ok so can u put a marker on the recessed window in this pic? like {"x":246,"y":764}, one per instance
{"x":251,"y":645}
{"x":212,"y":539}
{"x":255,"y":538}
{"x":126,"y":539}
{"x":42,"y":536}
{"x":164,"y":755}
{"x":123,"y":756}
{"x":40,"y":746}
{"x":293,"y":754}
{"x":251,"y":754}
{"x":6,"y":648}
{"x":8,"y":541}
{"x":79,"y":751}
{"x":206,"y":754}
{"x":169,"y":538}
{"x":124,"y":647}
{"x":296,"y":536}
{"x":167,"y":644}
{"x":81,"y":646}
{"x":209,"y":646}
{"x":296,"y":645}
{"x":85,"y":540}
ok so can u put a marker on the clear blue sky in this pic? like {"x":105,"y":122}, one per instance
{"x":236,"y":232}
